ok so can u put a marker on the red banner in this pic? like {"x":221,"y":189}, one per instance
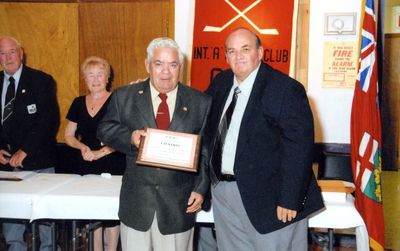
{"x":214,"y":19}
{"x":366,"y":134}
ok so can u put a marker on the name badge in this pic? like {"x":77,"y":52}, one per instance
{"x":31,"y":109}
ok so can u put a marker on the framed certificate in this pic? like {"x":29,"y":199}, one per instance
{"x":171,"y":150}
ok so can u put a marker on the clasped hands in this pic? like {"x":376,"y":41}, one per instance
{"x":15,"y":160}
{"x":89,"y":155}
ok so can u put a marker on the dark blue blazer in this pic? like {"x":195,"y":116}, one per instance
{"x":35,"y":120}
{"x":274,"y":154}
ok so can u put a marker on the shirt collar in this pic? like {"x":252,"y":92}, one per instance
{"x":247,"y":84}
{"x":154,"y":93}
{"x":16,"y":75}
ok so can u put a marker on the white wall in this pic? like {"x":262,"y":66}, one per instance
{"x":331,"y":107}
{"x":184,"y":18}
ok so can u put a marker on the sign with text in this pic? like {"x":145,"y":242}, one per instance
{"x":214,"y":19}
{"x":340,"y":64}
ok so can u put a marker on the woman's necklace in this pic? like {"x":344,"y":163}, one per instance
{"x":96,"y":101}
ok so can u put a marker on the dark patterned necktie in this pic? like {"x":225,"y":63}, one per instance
{"x":9,"y":101}
{"x":216,"y":157}
{"x":162,"y":117}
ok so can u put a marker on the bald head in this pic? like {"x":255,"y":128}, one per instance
{"x":243,"y":52}
{"x":245,"y":30}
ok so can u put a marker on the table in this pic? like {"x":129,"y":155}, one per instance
{"x":94,"y":197}
{"x":87,"y":197}
{"x":60,"y":196}
{"x":17,"y":198}
{"x":341,"y":214}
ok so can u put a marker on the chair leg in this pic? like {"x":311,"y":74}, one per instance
{"x":73,"y":233}
{"x":33,"y":229}
{"x":91,"y":237}
{"x":330,"y":236}
{"x":66,"y":235}
{"x":53,"y":236}
{"x":52,"y":225}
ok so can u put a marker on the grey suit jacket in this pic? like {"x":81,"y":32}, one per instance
{"x":148,"y":190}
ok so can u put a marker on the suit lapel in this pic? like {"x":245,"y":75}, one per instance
{"x":22,"y":85}
{"x":182,"y":106}
{"x":1,"y":92}
{"x":224,"y":93}
{"x":256,"y":93}
{"x":145,"y":105}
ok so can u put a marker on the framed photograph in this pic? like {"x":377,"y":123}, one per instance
{"x":171,"y":150}
{"x":340,"y":23}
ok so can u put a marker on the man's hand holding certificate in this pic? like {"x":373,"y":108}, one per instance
{"x":167,"y":149}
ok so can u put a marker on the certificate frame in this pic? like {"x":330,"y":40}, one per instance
{"x":169,"y":149}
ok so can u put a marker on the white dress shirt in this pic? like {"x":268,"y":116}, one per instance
{"x":6,"y":83}
{"x":171,"y":100}
{"x":229,"y":150}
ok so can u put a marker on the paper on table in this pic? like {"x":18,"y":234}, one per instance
{"x":15,"y":176}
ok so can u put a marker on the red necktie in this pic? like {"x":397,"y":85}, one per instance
{"x":162,"y":117}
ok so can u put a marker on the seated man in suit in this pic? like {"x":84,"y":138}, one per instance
{"x":29,"y":124}
{"x":157,"y":206}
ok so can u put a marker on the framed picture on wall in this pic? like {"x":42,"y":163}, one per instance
{"x":340,"y":23}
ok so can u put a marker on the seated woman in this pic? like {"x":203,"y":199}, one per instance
{"x":83,"y":118}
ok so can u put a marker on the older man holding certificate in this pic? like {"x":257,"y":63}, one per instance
{"x":158,"y":198}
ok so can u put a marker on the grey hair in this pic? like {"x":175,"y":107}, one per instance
{"x":12,"y":39}
{"x":160,"y":43}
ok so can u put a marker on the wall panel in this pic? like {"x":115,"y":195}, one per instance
{"x":391,"y":103}
{"x":120,"y":32}
{"x":49,"y":35}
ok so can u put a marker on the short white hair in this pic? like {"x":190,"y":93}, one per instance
{"x":160,"y":43}
{"x":17,"y":43}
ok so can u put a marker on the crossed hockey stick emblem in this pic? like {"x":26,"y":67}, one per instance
{"x":241,"y":14}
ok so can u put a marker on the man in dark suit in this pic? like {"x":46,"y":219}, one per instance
{"x":29,"y":124}
{"x":262,"y":152}
{"x":157,"y":206}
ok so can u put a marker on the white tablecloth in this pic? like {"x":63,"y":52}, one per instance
{"x":66,"y":196}
{"x":341,"y":215}
{"x":88,"y":197}
{"x":17,"y":197}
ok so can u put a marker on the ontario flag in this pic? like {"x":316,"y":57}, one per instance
{"x":366,"y":133}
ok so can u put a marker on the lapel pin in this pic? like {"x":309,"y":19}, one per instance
{"x":141,"y":92}
{"x":185,"y":109}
